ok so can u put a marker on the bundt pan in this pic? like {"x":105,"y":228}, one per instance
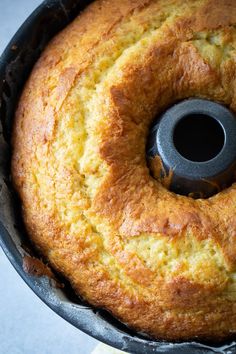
{"x":15,"y":66}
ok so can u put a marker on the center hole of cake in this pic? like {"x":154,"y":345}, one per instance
{"x":199,"y":137}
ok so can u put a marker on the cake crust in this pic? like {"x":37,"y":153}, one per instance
{"x":163,"y":264}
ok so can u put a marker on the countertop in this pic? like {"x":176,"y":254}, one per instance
{"x":27,"y":326}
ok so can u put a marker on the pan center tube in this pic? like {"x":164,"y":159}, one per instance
{"x":194,"y":142}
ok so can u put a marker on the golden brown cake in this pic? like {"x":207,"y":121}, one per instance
{"x":162,"y":263}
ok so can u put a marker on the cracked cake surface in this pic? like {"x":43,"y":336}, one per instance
{"x":162,"y":263}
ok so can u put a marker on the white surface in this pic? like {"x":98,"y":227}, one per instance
{"x":105,"y":349}
{"x":27,"y":326}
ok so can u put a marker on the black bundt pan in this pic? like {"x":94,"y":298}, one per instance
{"x":15,"y":65}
